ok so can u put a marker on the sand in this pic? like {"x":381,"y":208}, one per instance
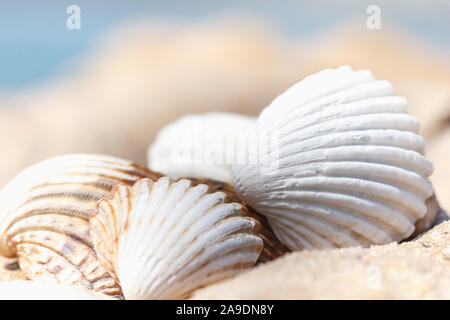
{"x":418,"y":269}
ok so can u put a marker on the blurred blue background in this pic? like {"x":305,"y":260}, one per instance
{"x":36,"y":46}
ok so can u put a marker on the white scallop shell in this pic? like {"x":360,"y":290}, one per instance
{"x":200,"y":145}
{"x":164,"y":239}
{"x":273,"y":247}
{"x":340,"y":163}
{"x":44,"y":214}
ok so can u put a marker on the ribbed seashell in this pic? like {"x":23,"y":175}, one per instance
{"x":200,"y":146}
{"x":273,"y":247}
{"x":165,"y":239}
{"x":340,"y":163}
{"x":429,"y":219}
{"x":44,"y":214}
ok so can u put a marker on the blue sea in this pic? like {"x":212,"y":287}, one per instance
{"x":36,"y":45}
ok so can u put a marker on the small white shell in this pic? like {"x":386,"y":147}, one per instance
{"x":348,"y":168}
{"x":44,"y":214}
{"x":164,"y":239}
{"x":200,"y":146}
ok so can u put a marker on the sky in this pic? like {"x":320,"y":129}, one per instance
{"x":36,"y":45}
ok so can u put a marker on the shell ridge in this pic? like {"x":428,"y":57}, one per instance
{"x":311,"y":92}
{"x":305,"y":237}
{"x":382,"y":173}
{"x":367,"y":90}
{"x":75,"y":236}
{"x":191,"y":249}
{"x":325,"y":228}
{"x":331,"y":171}
{"x":109,"y":174}
{"x":367,"y":231}
{"x":169,"y":245}
{"x":373,"y":121}
{"x":182,"y":227}
{"x":244,"y":261}
{"x":194,"y":198}
{"x":194,"y":269}
{"x":66,"y":249}
{"x":35,"y":213}
{"x":170,"y":204}
{"x":104,"y":222}
{"x":62,"y":181}
{"x":392,"y":105}
{"x":152,"y":234}
{"x":59,"y":255}
{"x":184,"y":184}
{"x":395,"y":221}
{"x":28,"y":265}
{"x":104,"y":252}
{"x":403,"y":139}
{"x":80,"y":195}
{"x":381,"y":192}
{"x":405,"y":159}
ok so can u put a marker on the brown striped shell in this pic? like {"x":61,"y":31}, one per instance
{"x":44,"y":214}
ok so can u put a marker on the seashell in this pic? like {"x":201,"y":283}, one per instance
{"x":200,"y":146}
{"x":46,"y":290}
{"x":165,"y":239}
{"x":273,"y":247}
{"x":340,"y":163}
{"x":430,"y":218}
{"x":44,"y":214}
